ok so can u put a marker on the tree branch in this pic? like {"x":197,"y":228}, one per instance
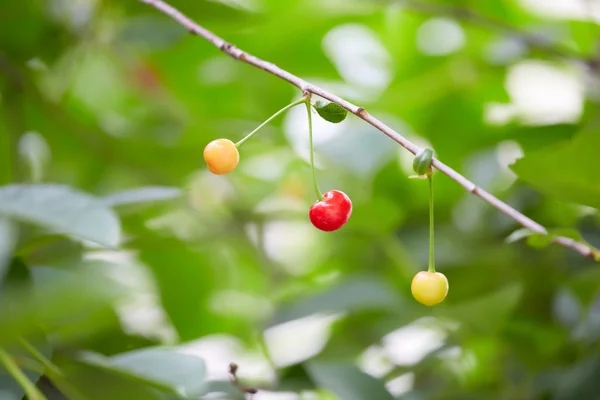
{"x":238,"y":54}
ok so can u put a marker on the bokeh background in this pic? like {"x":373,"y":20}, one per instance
{"x":142,"y":276}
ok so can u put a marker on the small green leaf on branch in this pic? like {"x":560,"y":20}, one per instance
{"x":331,"y":112}
{"x":539,"y":240}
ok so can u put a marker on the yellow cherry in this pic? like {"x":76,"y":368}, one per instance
{"x":221,"y":156}
{"x":429,"y":288}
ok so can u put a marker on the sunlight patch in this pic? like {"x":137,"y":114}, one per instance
{"x":359,"y":56}
{"x":440,"y":37}
{"x":545,"y":94}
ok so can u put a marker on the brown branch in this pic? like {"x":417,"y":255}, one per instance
{"x":360,"y":112}
{"x":235,"y":382}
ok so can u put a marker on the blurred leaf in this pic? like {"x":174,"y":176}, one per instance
{"x":98,"y":383}
{"x":347,"y":381}
{"x":354,"y":294}
{"x":539,"y":240}
{"x":579,"y":381}
{"x":230,"y":392}
{"x":294,"y":379}
{"x":567,"y":171}
{"x":566,"y":308}
{"x":519,"y":234}
{"x":164,"y":368}
{"x":486,"y":313}
{"x":532,"y":138}
{"x":61,"y":209}
{"x":7,"y":241}
{"x":380,"y":215}
{"x":185,"y":281}
{"x":141,"y":195}
{"x":57,"y":303}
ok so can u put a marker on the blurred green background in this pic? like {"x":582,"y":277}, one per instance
{"x":136,"y":274}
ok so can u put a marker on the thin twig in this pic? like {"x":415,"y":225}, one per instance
{"x":235,"y":382}
{"x":360,"y":112}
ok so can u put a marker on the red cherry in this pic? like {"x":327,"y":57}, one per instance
{"x":332,"y":212}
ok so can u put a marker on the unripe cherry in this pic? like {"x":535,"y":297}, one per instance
{"x":221,"y":156}
{"x":422,"y":161}
{"x":429,"y":288}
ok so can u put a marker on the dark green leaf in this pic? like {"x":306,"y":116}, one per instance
{"x":568,"y":171}
{"x":331,"y":112}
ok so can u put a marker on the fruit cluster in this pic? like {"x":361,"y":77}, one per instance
{"x":333,"y":209}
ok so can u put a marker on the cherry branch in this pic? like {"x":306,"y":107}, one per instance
{"x":235,"y":382}
{"x":306,"y":87}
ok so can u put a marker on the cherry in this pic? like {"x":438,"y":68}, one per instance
{"x":332,"y":212}
{"x":221,"y":156}
{"x":429,"y":288}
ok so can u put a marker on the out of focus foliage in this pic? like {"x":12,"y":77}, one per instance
{"x":139,"y":275}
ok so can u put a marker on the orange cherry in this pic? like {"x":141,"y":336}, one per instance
{"x":221,"y":156}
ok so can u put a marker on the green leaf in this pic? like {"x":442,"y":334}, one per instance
{"x":539,"y":240}
{"x":331,"y":112}
{"x":141,"y":195}
{"x":162,"y":368}
{"x":487,"y":313}
{"x":185,"y":281}
{"x":520,"y":234}
{"x":534,"y":239}
{"x":96,"y":383}
{"x":346,"y":381}
{"x":567,"y":171}
{"x":59,"y":301}
{"x":357,"y":294}
{"x":61,"y":209}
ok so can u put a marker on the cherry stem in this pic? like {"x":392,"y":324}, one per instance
{"x":431,"y":258}
{"x":284,"y":109}
{"x":312,"y":153}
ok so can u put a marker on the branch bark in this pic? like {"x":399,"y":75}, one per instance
{"x":228,"y":48}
